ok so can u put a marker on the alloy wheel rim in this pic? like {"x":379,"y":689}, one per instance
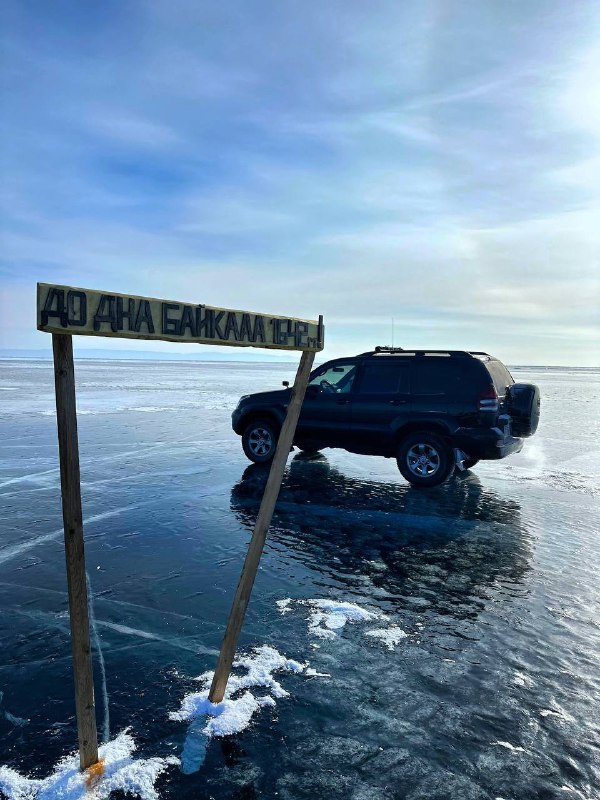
{"x":260,"y":441}
{"x":423,"y":460}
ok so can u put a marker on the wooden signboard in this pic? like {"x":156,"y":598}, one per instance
{"x":87,"y":312}
{"x":63,"y":311}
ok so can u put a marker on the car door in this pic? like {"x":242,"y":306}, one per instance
{"x":327,"y":407}
{"x":381,"y":404}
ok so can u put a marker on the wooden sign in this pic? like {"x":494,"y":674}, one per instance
{"x":63,"y":311}
{"x":87,"y":312}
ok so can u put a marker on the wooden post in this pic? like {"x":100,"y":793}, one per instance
{"x":263,"y":520}
{"x":66,"y":416}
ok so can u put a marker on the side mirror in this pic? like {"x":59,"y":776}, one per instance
{"x":312,"y":390}
{"x":285,"y":383}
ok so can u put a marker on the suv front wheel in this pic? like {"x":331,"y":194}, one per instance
{"x":259,"y":441}
{"x":424,"y":459}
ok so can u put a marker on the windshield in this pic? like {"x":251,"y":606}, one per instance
{"x":334,"y":378}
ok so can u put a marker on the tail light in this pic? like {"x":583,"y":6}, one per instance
{"x":488,"y":399}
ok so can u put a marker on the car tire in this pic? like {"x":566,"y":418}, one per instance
{"x":307,"y":449}
{"x":259,"y":441}
{"x":469,"y":463}
{"x":425,"y":459}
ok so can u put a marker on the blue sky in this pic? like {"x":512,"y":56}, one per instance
{"x":434,"y":162}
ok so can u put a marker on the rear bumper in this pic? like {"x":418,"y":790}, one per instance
{"x":487,"y":443}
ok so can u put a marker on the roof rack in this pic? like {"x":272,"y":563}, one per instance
{"x":453,"y":353}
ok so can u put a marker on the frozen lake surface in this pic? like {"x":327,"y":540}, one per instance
{"x":471,"y":670}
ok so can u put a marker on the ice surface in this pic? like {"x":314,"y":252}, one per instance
{"x":12,"y":551}
{"x":498,"y":566}
{"x":18,"y":721}
{"x":133,"y":776}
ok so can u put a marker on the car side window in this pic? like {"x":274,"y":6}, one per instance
{"x":437,"y":377}
{"x":500,"y":376}
{"x":334,"y":379}
{"x":384,"y":379}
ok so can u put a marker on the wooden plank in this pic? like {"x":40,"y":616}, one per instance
{"x":66,"y":417}
{"x":259,"y":535}
{"x":88,"y":312}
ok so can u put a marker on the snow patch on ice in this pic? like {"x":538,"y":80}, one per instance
{"x":389,"y":636}
{"x":284,"y":605}
{"x":510,"y":747}
{"x":224,"y":718}
{"x":521,"y":679}
{"x":152,"y":409}
{"x":135,"y":777}
{"x":234,"y":713}
{"x":556,"y":711}
{"x":328,"y":617}
{"x":267,"y":700}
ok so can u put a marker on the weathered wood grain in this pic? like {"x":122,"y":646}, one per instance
{"x":87,"y":312}
{"x":64,"y":381}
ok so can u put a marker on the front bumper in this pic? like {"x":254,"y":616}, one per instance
{"x":236,"y":419}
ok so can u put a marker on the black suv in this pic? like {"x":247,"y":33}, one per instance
{"x":431,"y":410}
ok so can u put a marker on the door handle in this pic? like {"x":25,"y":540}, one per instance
{"x":342,"y":401}
{"x":398,"y":402}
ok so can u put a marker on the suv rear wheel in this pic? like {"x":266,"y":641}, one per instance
{"x":424,"y":459}
{"x":259,"y":441}
{"x":307,"y":448}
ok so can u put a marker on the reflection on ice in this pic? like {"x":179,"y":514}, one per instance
{"x":18,"y":721}
{"x":438,"y":550}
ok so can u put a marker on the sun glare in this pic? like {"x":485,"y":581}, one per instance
{"x":581,"y":98}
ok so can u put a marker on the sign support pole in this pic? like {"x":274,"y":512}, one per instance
{"x":259,"y":535}
{"x":66,"y":416}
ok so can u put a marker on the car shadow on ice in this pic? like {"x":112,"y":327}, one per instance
{"x":442,"y":548}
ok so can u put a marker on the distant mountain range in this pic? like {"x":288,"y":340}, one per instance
{"x":234,"y":354}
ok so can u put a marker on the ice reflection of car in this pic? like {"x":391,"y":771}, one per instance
{"x":432,"y":411}
{"x":451,"y":544}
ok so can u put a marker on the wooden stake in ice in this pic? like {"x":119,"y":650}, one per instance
{"x":259,"y":535}
{"x":66,"y":417}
